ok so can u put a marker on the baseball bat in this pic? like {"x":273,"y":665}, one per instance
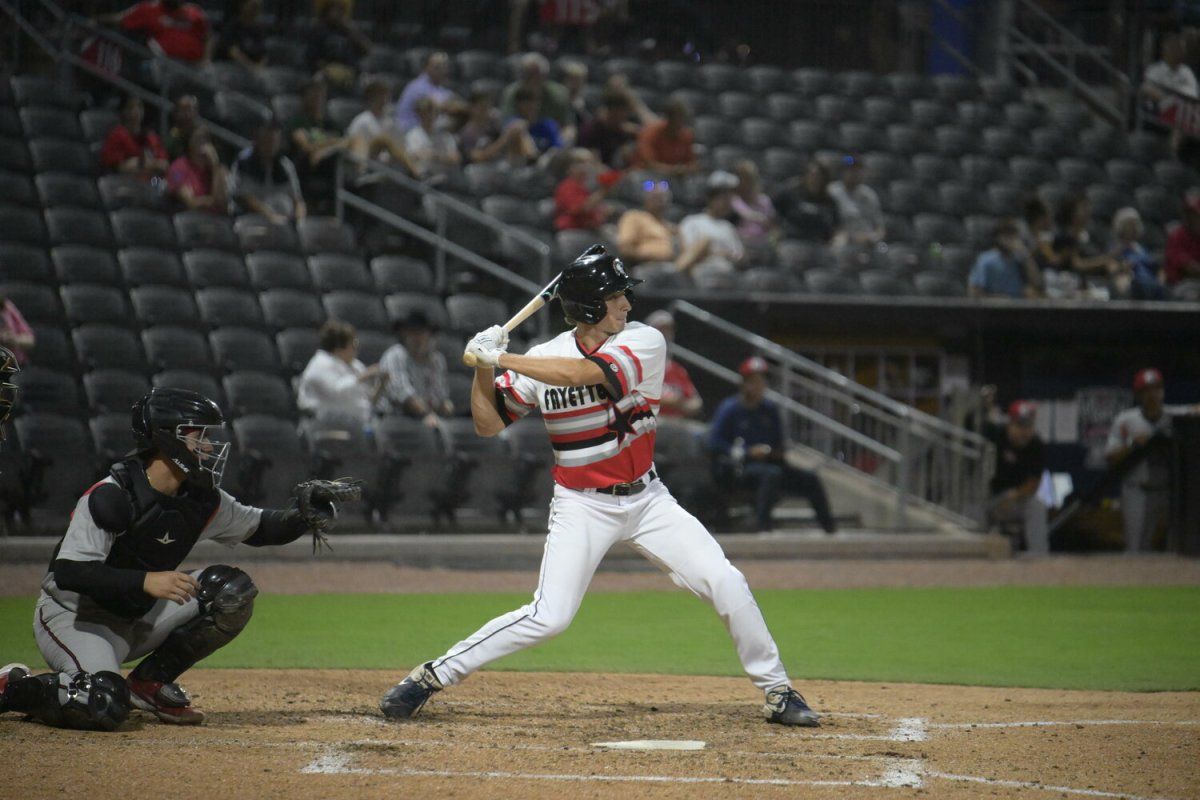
{"x":527,"y":311}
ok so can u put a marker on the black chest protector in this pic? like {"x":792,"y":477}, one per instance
{"x":164,"y":529}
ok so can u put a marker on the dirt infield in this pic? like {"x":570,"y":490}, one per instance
{"x":317,"y":734}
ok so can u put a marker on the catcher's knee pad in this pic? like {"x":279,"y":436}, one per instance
{"x":96,"y":701}
{"x":227,"y":597}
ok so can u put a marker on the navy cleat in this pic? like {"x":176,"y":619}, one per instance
{"x":408,"y":697}
{"x":786,"y":706}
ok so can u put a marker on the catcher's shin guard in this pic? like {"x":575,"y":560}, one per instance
{"x":84,"y":701}
{"x":226,"y":603}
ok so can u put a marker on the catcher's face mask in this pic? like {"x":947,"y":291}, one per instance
{"x":208,"y":446}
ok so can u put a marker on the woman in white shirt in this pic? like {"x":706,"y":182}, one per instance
{"x":335,"y":384}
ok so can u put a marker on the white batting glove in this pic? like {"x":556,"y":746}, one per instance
{"x":484,"y":356}
{"x":494,"y":337}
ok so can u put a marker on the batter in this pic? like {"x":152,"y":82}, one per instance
{"x":598,"y":388}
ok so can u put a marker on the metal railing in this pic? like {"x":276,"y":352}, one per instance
{"x":922,"y":459}
{"x":1044,"y":41}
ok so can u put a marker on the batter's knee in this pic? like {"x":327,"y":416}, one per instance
{"x":227,"y":595}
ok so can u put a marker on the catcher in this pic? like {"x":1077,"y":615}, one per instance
{"x":114,"y":592}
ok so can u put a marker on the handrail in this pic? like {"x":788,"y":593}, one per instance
{"x":1077,"y":85}
{"x":807,"y":365}
{"x":1071,"y":37}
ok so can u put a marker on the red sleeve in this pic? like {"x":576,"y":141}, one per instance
{"x":199,"y":21}
{"x":141,"y":17}
{"x":1176,"y":256}
{"x":118,"y":146}
{"x":16,"y":322}
{"x":689,"y":141}
{"x":570,"y":197}
{"x":689,"y":388}
{"x":156,"y":146}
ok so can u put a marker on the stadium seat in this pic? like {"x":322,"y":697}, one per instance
{"x":62,"y":189}
{"x":933,"y":169}
{"x":474,"y":312}
{"x":140,"y":227}
{"x":401,"y":274}
{"x":14,"y":155}
{"x":38,"y":90}
{"x":209,"y":268}
{"x":108,"y":347}
{"x":768,"y":280}
{"x":1004,"y":143}
{"x":18,"y":189}
{"x":416,"y":467}
{"x":338,"y":272}
{"x":237,"y":78}
{"x":267,"y":461}
{"x":36,"y":301}
{"x":1029,"y":172}
{"x":54,"y":349}
{"x":488,"y":464}
{"x":143,"y":266}
{"x":270,"y":270}
{"x":1078,"y":172}
{"x":296,"y":347}
{"x":63,"y":462}
{"x":858,"y":137}
{"x":856,"y":84}
{"x":832,"y":109}
{"x":1105,"y":200}
{"x":126,"y":191}
{"x":980,"y":230}
{"x":1023,"y":117}
{"x":807,"y":136}
{"x":1148,"y":147}
{"x":1158,"y":205}
{"x":48,"y":391}
{"x":1005,"y":199}
{"x":24,"y":263}
{"x":954,"y":141}
{"x":931,"y":228}
{"x":908,"y":198}
{"x":951,"y":88}
{"x":1068,"y":116}
{"x":114,"y":390}
{"x":256,"y":232}
{"x":713,"y":131}
{"x":881,"y":111}
{"x":83,"y":264}
{"x":205,"y":229}
{"x":766,"y":79}
{"x":812,"y":81}
{"x":999,"y":91}
{"x":342,"y":110}
{"x":472,"y":64}
{"x":976,"y":115}
{"x":784,"y":107}
{"x":902,"y":260}
{"x":49,"y":121}
{"x":290,"y":308}
{"x":829,"y":281}
{"x":958,"y":199}
{"x":400,"y":304}
{"x":929,"y":113}
{"x":907,"y":86}
{"x":339,"y":448}
{"x":1127,"y":174}
{"x":952,"y":259}
{"x":258,"y":393}
{"x":725,"y":157}
{"x":285,"y":105}
{"x":237,"y":349}
{"x":286,"y":51}
{"x":62,"y":155}
{"x":1052,"y":143}
{"x":164,"y":305}
{"x":1174,"y":176}
{"x":326,"y":235}
{"x":671,"y":76}
{"x":95,"y":123}
{"x":199,"y":382}
{"x":224,"y":306}
{"x":361,"y":309}
{"x":737,"y":105}
{"x":938,"y":284}
{"x":373,"y":344}
{"x":484,"y":179}
{"x":169,"y":347}
{"x":884,"y":283}
{"x":904,"y":140}
{"x":240,"y":113}
{"x":68,"y":225}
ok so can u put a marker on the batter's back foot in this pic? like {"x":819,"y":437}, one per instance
{"x":406,"y":699}
{"x":786,"y":706}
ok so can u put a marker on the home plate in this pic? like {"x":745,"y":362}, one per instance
{"x":653,"y":744}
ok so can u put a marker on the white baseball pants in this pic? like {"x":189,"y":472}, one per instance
{"x":583,"y":526}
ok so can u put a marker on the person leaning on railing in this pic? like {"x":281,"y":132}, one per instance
{"x":174,"y":29}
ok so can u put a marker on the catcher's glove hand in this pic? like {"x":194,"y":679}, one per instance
{"x":317,"y":503}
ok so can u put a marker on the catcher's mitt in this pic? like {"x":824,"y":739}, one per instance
{"x":317,"y":503}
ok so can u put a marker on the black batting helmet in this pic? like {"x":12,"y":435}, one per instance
{"x":186,"y":428}
{"x":588,"y":280}
{"x":8,"y":389}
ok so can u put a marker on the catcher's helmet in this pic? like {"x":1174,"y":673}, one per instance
{"x":186,"y":428}
{"x":589,"y":279}
{"x":8,"y":389}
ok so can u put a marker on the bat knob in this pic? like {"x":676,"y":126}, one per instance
{"x":469,"y":359}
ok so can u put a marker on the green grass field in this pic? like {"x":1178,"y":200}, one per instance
{"x":1130,"y":638}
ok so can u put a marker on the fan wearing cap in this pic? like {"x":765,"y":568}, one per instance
{"x":1145,"y":491}
{"x":711,"y":227}
{"x":415,"y":372}
{"x":746,"y":440}
{"x":679,"y":395}
{"x":860,"y":215}
{"x":1020,"y":462}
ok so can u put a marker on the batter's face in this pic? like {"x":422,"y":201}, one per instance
{"x":618,"y":313}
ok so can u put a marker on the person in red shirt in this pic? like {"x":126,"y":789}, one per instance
{"x":576,"y":206}
{"x":1183,"y":245}
{"x":15,"y":333}
{"x":132,"y":149}
{"x":668,"y":146}
{"x":198,"y":180}
{"x":174,"y":29}
{"x":679,"y":396}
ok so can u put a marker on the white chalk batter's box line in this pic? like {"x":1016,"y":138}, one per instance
{"x":897,"y":772}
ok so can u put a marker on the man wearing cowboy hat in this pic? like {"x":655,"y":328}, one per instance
{"x":416,"y":372}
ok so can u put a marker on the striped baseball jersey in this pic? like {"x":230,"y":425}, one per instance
{"x":601,"y":434}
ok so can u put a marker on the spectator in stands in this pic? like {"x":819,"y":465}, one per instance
{"x":1004,"y":270}
{"x":1140,"y":267}
{"x":619,"y":82}
{"x":1073,"y":242}
{"x":15,"y":333}
{"x":543,"y":130}
{"x":1183,"y":253}
{"x":183,"y":121}
{"x":373,"y":132}
{"x":746,"y":441}
{"x":859,"y":212}
{"x":264,"y":181}
{"x":679,"y":397}
{"x":553,"y":101}
{"x":757,"y":222}
{"x":482,"y":140}
{"x":131,"y":148}
{"x":415,"y":372}
{"x":668,"y":145}
{"x":575,"y":75}
{"x":577,"y":205}
{"x":430,"y":83}
{"x":431,"y":151}
{"x":805,"y":204}
{"x":335,"y":385}
{"x":712,"y":231}
{"x":1020,"y":462}
{"x":610,"y":132}
{"x":335,"y":45}
{"x":198,"y":180}
{"x":1037,"y":234}
{"x":244,"y":37}
{"x":1171,"y":74}
{"x":646,"y":236}
{"x":174,"y":29}
{"x":315,"y":144}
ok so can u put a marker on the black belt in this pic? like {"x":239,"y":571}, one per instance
{"x":627,"y":489}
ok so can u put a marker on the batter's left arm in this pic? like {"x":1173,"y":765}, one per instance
{"x":555,"y":370}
